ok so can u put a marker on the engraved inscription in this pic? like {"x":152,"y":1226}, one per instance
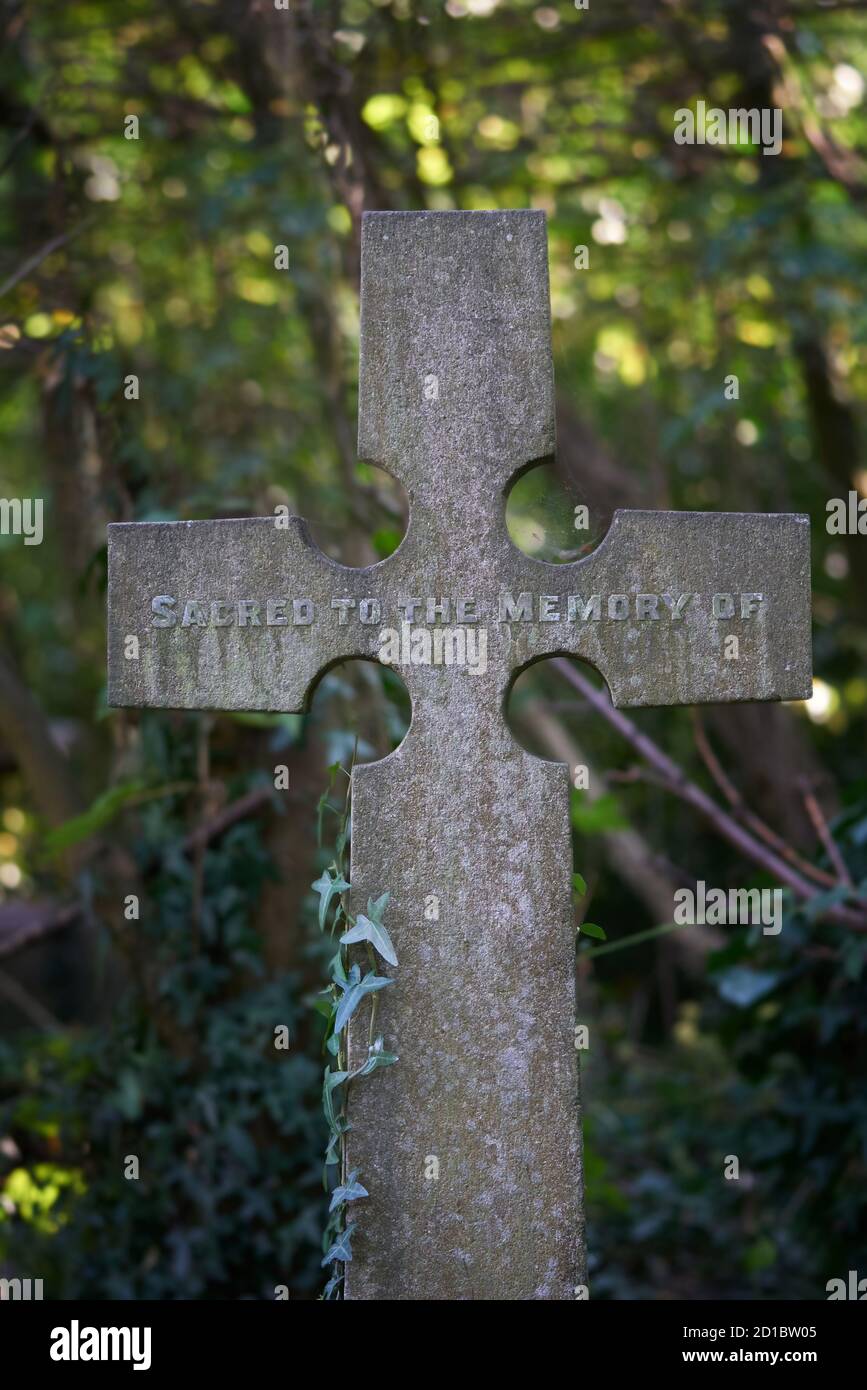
{"x":167,"y":611}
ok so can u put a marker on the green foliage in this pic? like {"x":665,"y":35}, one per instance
{"x":703,"y":263}
{"x":591,"y":929}
{"x":760,"y":1067}
{"x":342,"y":996}
{"x":597,"y":816}
{"x":184,"y":1075}
{"x":350,"y":1192}
{"x":372,"y":930}
{"x":104,"y":810}
{"x":101,"y":813}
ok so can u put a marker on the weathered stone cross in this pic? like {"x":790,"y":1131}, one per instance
{"x":467,"y":831}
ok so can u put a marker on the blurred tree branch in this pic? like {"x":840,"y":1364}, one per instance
{"x":25,"y":731}
{"x":675,"y":781}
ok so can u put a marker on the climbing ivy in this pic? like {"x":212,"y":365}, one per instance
{"x":346,"y":989}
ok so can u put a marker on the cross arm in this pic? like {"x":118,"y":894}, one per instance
{"x":677,"y":608}
{"x":231,"y":614}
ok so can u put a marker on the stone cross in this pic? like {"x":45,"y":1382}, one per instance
{"x":470,"y":1147}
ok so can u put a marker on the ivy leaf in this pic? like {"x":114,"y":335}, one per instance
{"x":352,"y":978}
{"x":332,"y":1153}
{"x":375,"y":908}
{"x":332,"y":1079}
{"x":336,"y":970}
{"x":366,"y":929}
{"x":347,"y":1006}
{"x":101,"y":813}
{"x":333,"y":1283}
{"x":744,"y":986}
{"x":591,"y":929}
{"x":377,"y":1057}
{"x":350,"y":1192}
{"x":579,"y":884}
{"x":342,"y":1247}
{"x":354,"y":995}
{"x":326,"y":887}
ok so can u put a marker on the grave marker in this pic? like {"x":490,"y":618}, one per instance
{"x":456,"y":398}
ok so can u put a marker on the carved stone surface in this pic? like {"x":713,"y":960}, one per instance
{"x":456,"y":398}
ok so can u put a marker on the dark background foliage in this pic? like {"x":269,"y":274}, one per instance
{"x":154,"y":257}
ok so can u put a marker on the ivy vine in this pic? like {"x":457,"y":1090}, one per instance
{"x":346,"y":989}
